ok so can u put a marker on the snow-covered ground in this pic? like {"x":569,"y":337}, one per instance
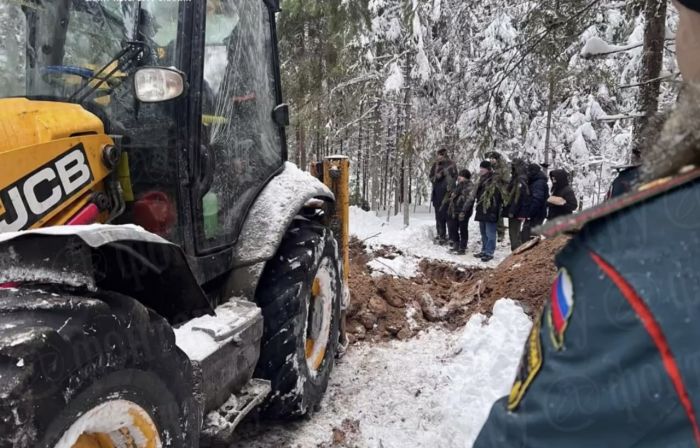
{"x":433,"y":391}
{"x":416,"y":240}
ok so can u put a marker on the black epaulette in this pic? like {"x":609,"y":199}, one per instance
{"x":571,"y":224}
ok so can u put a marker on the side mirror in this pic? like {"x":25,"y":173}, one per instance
{"x":281,"y":115}
{"x":157,"y":84}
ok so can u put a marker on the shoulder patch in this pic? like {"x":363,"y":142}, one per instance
{"x":530,"y":365}
{"x":561,"y":307}
{"x":574,"y":223}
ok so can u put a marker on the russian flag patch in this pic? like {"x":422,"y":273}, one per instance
{"x":560,"y":307}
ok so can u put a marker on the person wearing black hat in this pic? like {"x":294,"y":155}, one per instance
{"x":612,"y":360}
{"x":518,"y":202}
{"x":459,"y":212}
{"x":489,"y":200}
{"x":443,"y":175}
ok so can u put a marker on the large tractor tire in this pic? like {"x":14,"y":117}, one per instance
{"x":300,"y":294}
{"x":93,"y":372}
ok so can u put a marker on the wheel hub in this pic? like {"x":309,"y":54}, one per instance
{"x":320,"y":316}
{"x":113,"y":424}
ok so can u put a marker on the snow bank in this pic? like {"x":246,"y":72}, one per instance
{"x":482,"y":372}
{"x":455,"y":391}
{"x":432,"y":391}
{"x":417,"y":239}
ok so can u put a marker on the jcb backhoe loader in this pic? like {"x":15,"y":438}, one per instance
{"x":163,"y":269}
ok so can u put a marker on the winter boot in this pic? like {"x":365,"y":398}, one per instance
{"x":486,"y":258}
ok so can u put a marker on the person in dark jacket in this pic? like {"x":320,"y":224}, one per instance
{"x":539,"y":193}
{"x":623,"y":182}
{"x":459,"y":212}
{"x":518,"y":202}
{"x":443,"y":175}
{"x":489,"y":202}
{"x":612,"y":361}
{"x":563,"y":199}
{"x":501,"y":174}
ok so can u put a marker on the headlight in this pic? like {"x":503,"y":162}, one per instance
{"x":156,"y":84}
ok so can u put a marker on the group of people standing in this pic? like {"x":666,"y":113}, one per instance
{"x":521,"y":194}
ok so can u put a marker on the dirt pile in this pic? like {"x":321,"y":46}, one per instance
{"x":526,"y":277}
{"x":386,"y":307}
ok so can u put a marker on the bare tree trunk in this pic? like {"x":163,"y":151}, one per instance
{"x":319,"y":143}
{"x":396,"y":179}
{"x":365,"y":162}
{"x":550,"y":111}
{"x":301,"y":146}
{"x":359,"y":165}
{"x":387,"y":151}
{"x":408,"y":153}
{"x":652,"y":63}
{"x":376,"y":183}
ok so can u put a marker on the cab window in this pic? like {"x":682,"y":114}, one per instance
{"x":238,"y":133}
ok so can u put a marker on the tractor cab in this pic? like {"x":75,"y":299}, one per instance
{"x":187,"y":92}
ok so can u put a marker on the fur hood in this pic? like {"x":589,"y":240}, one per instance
{"x":679,"y":142}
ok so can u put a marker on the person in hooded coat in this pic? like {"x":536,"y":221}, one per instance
{"x":459,"y":212}
{"x":518,"y":202}
{"x":539,"y":193}
{"x":612,"y":360}
{"x":443,"y":175}
{"x":563,"y":199}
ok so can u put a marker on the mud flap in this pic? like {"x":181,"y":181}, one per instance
{"x":125,"y":259}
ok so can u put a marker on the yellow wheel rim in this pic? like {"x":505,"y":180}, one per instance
{"x":320,"y":316}
{"x":113,"y":424}
{"x":93,"y":441}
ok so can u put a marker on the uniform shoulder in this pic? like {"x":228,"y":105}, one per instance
{"x":571,"y":224}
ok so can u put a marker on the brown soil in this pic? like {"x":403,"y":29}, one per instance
{"x":344,"y":436}
{"x":445,"y":294}
{"x":526,"y":277}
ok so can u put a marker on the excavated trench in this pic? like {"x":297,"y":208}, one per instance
{"x":388,"y":307}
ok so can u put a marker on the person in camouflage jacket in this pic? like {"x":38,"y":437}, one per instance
{"x":459,"y":211}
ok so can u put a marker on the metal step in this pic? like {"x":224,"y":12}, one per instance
{"x":220,"y":424}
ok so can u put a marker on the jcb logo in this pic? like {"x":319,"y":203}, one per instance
{"x":34,"y":196}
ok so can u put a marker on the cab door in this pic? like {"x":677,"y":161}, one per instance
{"x":240,"y":146}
